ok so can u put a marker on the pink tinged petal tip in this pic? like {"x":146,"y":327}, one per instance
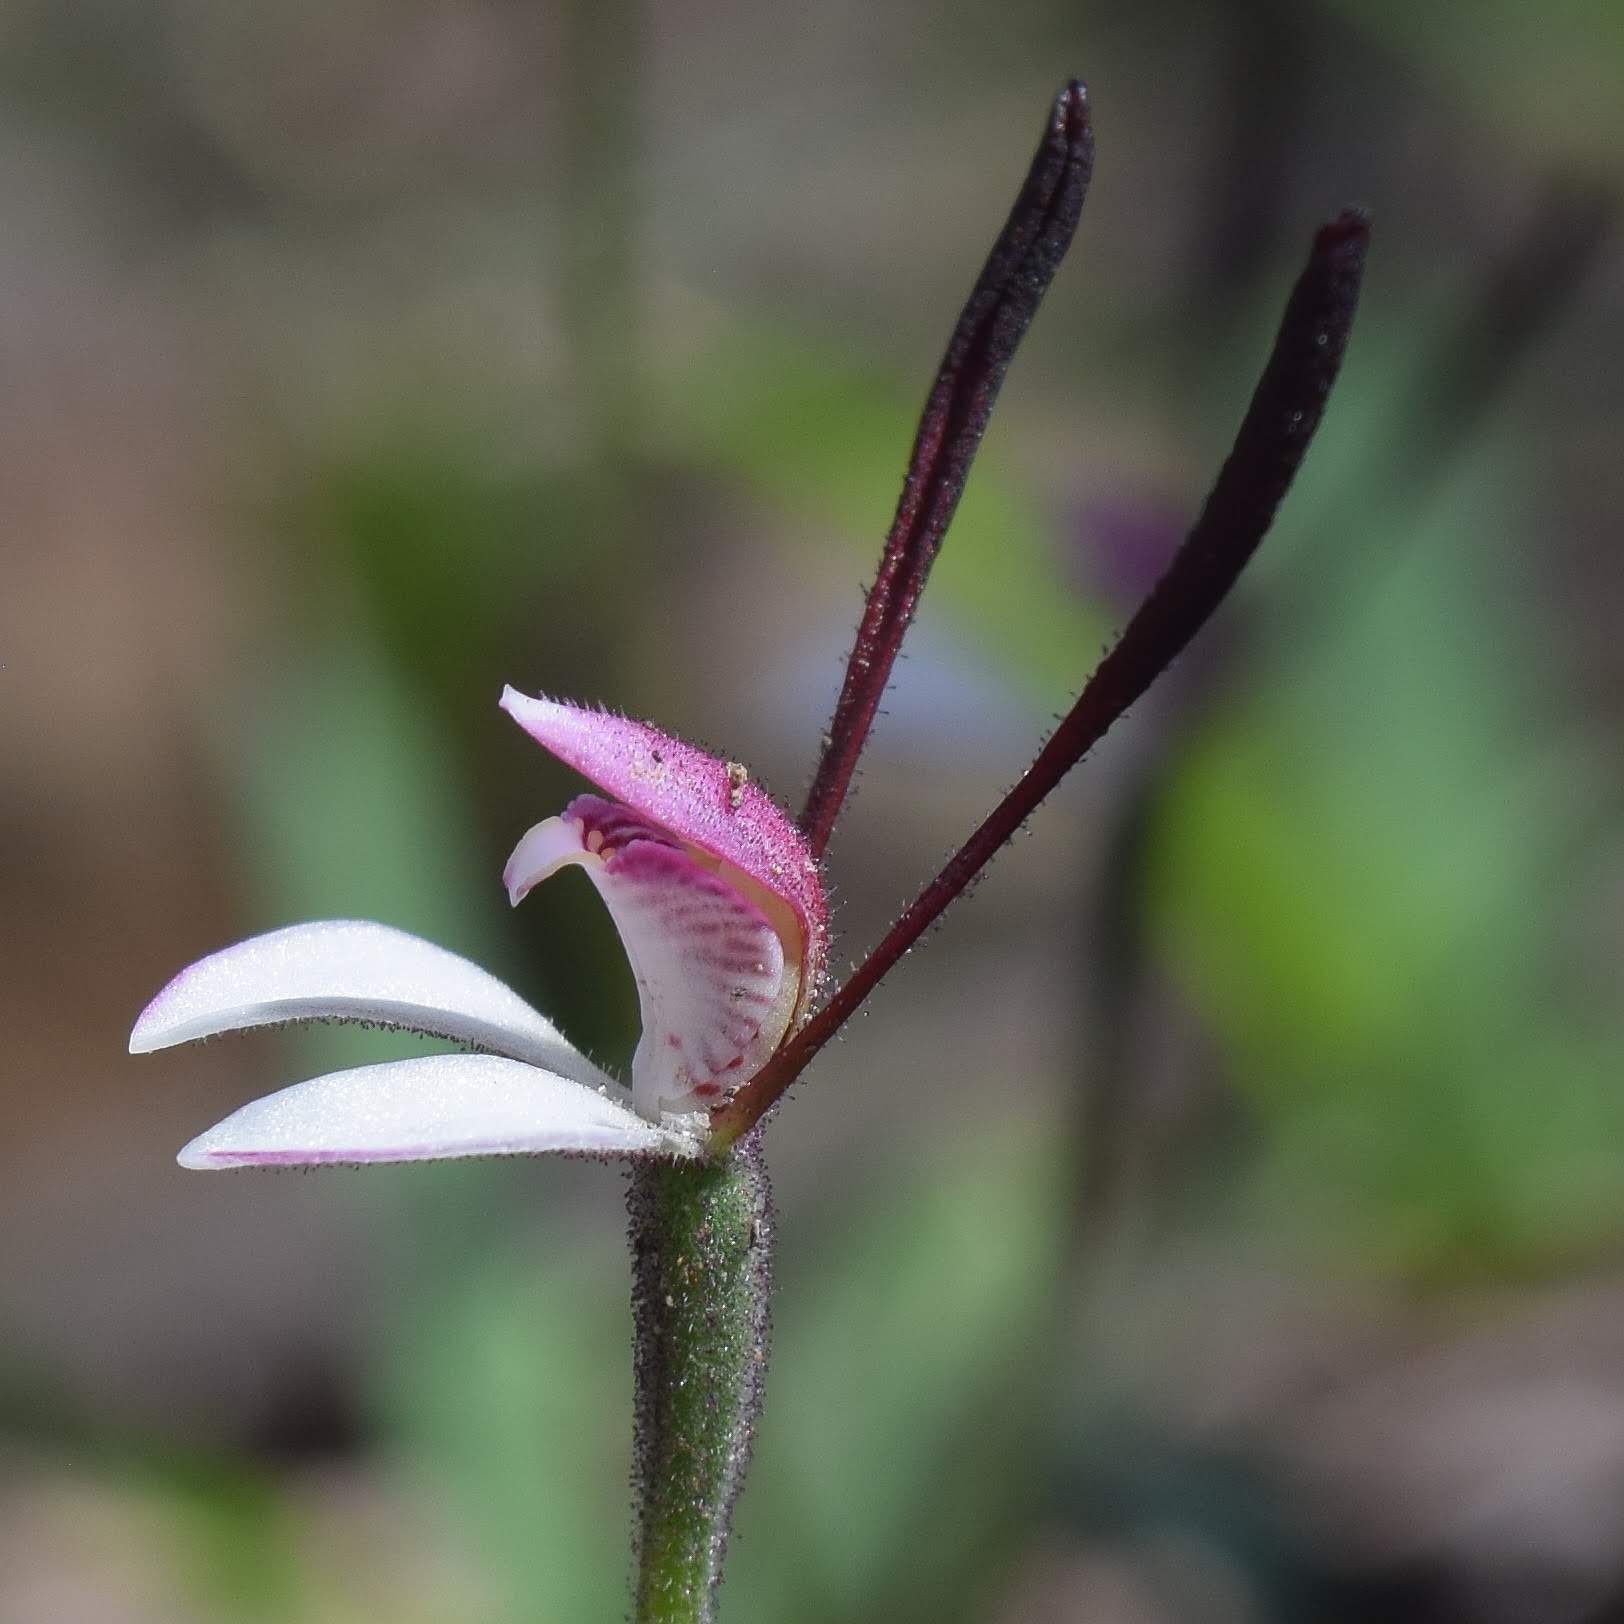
{"x":353,"y":970}
{"x":706,"y":803}
{"x":716,"y":991}
{"x":429,"y":1108}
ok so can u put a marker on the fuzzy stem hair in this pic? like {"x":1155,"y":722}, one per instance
{"x":701,"y":1241}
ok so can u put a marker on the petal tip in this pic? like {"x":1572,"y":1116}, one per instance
{"x":155,"y":1026}
{"x":195,"y":1156}
{"x":513,"y":884}
{"x":520,"y":705}
{"x":154,"y":1029}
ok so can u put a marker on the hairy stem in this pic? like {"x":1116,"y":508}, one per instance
{"x":701,"y":1240}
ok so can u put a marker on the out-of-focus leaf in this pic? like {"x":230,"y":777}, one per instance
{"x":226,"y":1538}
{"x":239,"y":1540}
{"x":819,"y":436}
{"x":1362,"y":871}
{"x":350,"y":809}
{"x":471,"y":573}
{"x":450,"y":550}
{"x":918,"y":1310}
{"x":347,"y":812}
{"x":1560,"y":65}
{"x":514,"y":1389}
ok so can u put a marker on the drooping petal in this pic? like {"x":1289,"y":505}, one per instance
{"x":354,"y":970}
{"x":703,"y":801}
{"x":427,"y":1108}
{"x":715,"y":990}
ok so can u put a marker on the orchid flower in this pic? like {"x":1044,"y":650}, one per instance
{"x":718,"y":899}
{"x":718,"y":902}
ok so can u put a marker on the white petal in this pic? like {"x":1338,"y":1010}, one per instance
{"x":353,"y":970}
{"x":425,"y":1109}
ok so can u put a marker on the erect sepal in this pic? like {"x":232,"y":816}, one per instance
{"x":1002,"y":303}
{"x":1274,"y":436}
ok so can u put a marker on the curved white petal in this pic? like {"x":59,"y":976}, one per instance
{"x":354,"y":970}
{"x":425,"y":1109}
{"x":715,"y":991}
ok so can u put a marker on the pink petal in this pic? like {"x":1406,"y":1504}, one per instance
{"x":715,"y":991}
{"x":354,"y":970}
{"x":425,"y":1109}
{"x":705,"y":802}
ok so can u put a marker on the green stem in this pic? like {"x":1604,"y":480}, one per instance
{"x":701,"y":1239}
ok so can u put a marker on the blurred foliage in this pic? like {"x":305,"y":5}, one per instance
{"x":1356,"y":865}
{"x":1558,"y":68}
{"x":504,"y":1386}
{"x":1375,"y":820}
{"x":813,"y":431}
{"x":1361,"y":863}
{"x":506,"y":1383}
{"x":1363,"y":869}
{"x":227,"y":1532}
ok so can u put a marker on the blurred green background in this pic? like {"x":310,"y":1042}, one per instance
{"x":1221,"y":1217}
